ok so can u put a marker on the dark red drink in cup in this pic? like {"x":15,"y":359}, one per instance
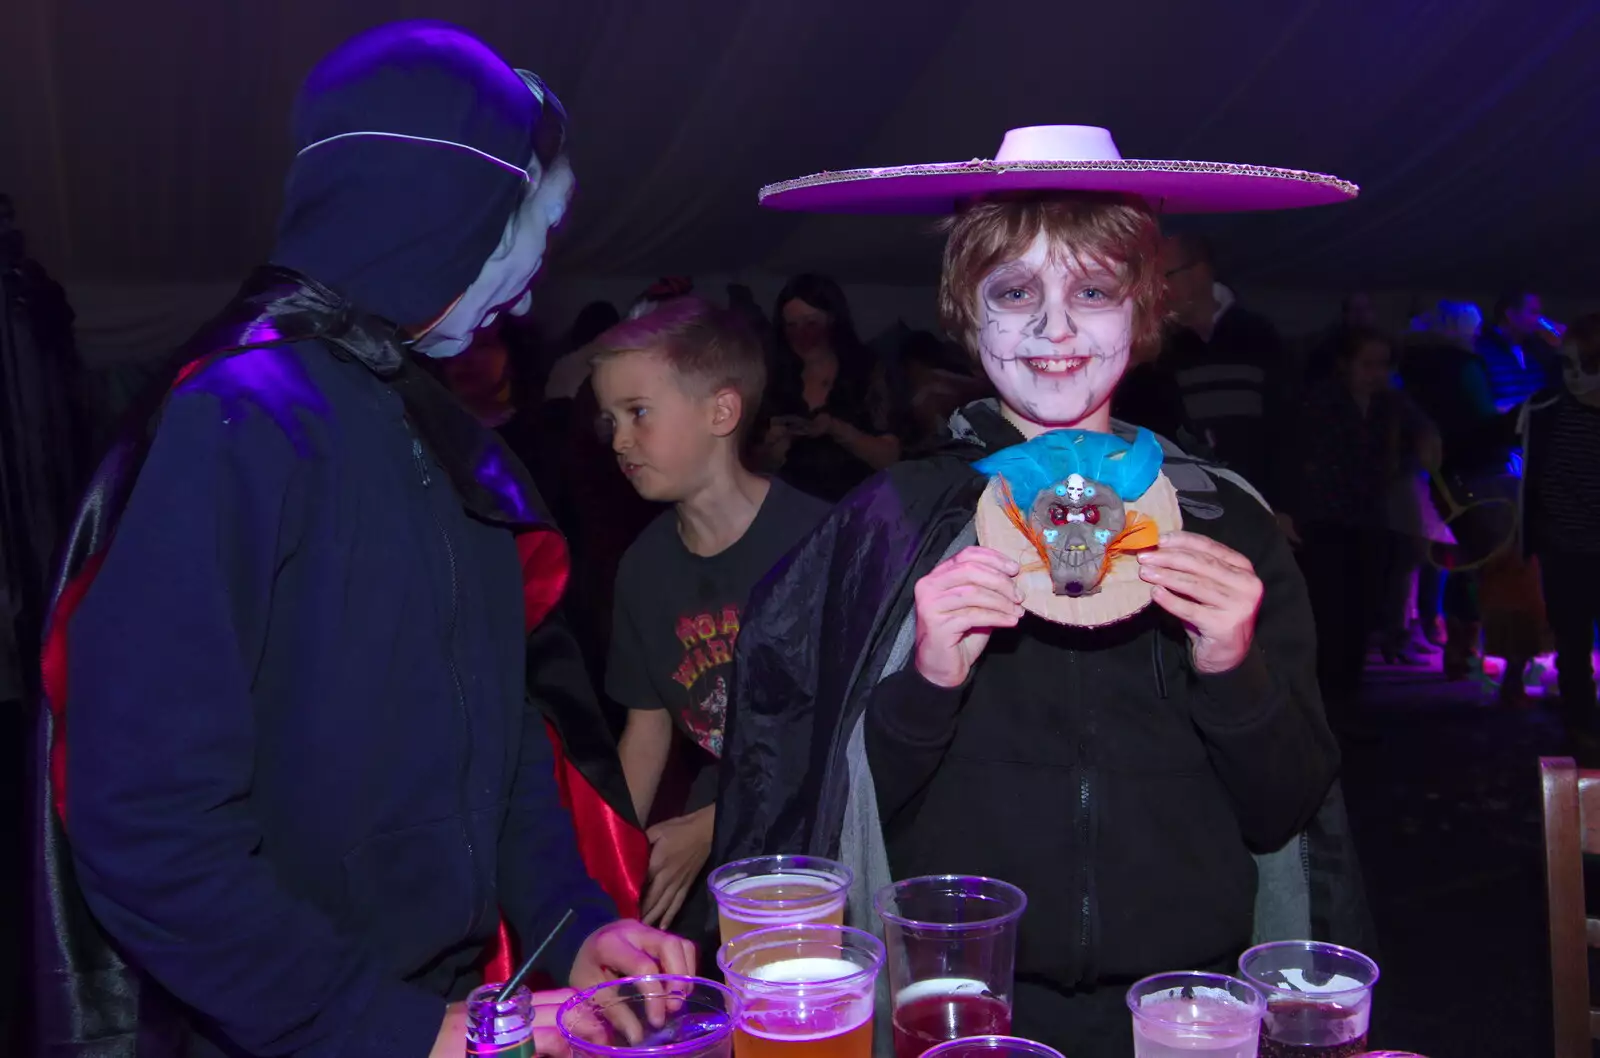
{"x":1319,"y":998}
{"x":1311,"y":1030}
{"x":929,"y":1013}
{"x":952,"y":944}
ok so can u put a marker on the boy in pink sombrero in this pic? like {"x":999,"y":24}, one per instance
{"x":1118,"y":745}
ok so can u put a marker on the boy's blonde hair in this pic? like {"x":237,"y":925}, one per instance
{"x":708,"y":347}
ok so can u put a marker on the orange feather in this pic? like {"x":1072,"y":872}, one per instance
{"x":1139,"y":533}
{"x":1009,"y":504}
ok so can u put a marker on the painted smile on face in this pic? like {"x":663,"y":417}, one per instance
{"x":1055,"y":334}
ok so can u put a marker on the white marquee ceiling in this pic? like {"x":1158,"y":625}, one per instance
{"x":145,"y":141}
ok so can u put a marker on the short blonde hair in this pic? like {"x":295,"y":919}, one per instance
{"x":709,"y":347}
{"x":1120,"y":233}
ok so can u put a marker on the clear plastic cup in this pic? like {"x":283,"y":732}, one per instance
{"x":1319,"y":998}
{"x":1177,"y":1015}
{"x":952,"y":946}
{"x":805,"y":991}
{"x":991,"y":1047}
{"x":659,"y":1016}
{"x":771,"y":891}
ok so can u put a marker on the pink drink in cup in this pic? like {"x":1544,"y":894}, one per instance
{"x":1180,"y":1015}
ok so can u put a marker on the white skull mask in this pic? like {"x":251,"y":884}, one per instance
{"x":1075,"y":489}
{"x":502,"y":285}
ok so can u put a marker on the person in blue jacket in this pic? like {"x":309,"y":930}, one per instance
{"x":295,"y":765}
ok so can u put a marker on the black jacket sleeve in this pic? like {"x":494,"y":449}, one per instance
{"x":1262,"y":722}
{"x":910,"y":725}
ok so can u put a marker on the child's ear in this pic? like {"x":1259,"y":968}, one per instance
{"x":727,"y":410}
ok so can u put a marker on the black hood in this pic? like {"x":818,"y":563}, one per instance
{"x":399,"y":225}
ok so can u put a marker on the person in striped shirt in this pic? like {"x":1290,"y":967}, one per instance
{"x":1561,"y":511}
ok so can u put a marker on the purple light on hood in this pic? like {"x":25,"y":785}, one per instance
{"x":272,"y":379}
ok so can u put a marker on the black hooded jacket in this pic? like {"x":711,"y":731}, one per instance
{"x":294,"y":761}
{"x":1128,"y":810}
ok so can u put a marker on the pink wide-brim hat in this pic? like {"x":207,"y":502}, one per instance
{"x":1045,"y":158}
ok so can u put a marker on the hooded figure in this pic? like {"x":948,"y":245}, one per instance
{"x":293,"y":774}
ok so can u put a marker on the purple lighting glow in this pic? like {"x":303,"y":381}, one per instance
{"x":495,"y":475}
{"x":271,"y":379}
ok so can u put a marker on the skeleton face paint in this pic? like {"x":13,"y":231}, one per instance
{"x":1054,"y":337}
{"x":1582,"y":379}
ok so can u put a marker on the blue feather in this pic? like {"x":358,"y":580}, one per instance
{"x":1033,"y":466}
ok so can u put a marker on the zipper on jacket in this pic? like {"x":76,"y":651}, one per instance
{"x":1087,"y":910}
{"x":1085,"y":825}
{"x":421,"y":458}
{"x":1156,"y":664}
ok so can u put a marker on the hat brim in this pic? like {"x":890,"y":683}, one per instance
{"x":1169,"y":186}
{"x":1122,"y":593}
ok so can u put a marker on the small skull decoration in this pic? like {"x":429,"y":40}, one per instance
{"x":1076,"y":518}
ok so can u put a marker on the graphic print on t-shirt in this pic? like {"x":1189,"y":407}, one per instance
{"x":707,"y":639}
{"x":676,"y":621}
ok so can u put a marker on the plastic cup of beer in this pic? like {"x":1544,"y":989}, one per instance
{"x":659,"y":1016}
{"x":1319,"y":998}
{"x":992,"y":1047}
{"x":1179,"y":1015}
{"x":779,"y":891}
{"x":805,"y":991}
{"x":952,"y":945}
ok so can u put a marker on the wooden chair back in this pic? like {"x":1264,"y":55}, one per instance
{"x":1571,"y":829}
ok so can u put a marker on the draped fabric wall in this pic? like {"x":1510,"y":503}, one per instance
{"x":144,"y":142}
{"x":40,"y":454}
{"x":39,"y":461}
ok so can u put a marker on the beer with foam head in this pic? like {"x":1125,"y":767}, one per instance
{"x":779,"y":891}
{"x":805,"y":991}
